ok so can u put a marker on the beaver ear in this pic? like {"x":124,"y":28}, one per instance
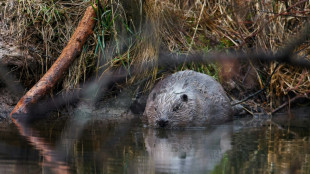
{"x":154,"y":96}
{"x":184,"y":97}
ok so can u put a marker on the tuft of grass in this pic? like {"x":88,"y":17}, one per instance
{"x":209,"y":69}
{"x":43,"y":29}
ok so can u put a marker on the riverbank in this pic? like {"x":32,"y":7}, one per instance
{"x":128,"y":33}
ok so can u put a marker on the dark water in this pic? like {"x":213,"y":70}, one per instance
{"x":97,"y":147}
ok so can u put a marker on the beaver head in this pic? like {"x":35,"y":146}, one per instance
{"x":173,"y":107}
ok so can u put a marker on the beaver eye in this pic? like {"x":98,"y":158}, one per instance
{"x":184,"y":98}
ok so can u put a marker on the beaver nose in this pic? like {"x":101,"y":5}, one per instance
{"x":162,"y":123}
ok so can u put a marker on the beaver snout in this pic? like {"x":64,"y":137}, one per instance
{"x":162,"y":123}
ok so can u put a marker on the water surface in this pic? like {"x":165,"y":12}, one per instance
{"x":129,"y":148}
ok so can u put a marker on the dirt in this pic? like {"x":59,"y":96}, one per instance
{"x":7,"y":103}
{"x":111,"y":108}
{"x":115,"y":108}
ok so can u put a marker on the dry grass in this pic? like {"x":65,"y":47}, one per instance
{"x":43,"y":28}
{"x":242,"y":25}
{"x":131,"y":32}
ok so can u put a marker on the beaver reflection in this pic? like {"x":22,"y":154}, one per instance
{"x":183,"y":151}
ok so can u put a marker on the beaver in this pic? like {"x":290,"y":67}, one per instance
{"x":187,"y":99}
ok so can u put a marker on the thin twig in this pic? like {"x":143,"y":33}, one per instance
{"x":259,"y":91}
{"x":289,"y":102}
{"x":196,"y":28}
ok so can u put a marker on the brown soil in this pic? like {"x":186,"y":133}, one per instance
{"x":7,"y":103}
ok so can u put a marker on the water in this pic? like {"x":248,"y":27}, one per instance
{"x":99,"y":147}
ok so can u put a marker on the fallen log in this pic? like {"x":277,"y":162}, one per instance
{"x":72,"y":50}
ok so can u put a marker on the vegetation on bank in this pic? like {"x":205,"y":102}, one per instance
{"x":131,"y":32}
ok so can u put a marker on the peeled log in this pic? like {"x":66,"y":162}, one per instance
{"x":72,"y":50}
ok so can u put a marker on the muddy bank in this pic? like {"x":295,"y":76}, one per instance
{"x":111,"y":108}
{"x":116,"y":108}
{"x":20,"y":60}
{"x":7,"y":103}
